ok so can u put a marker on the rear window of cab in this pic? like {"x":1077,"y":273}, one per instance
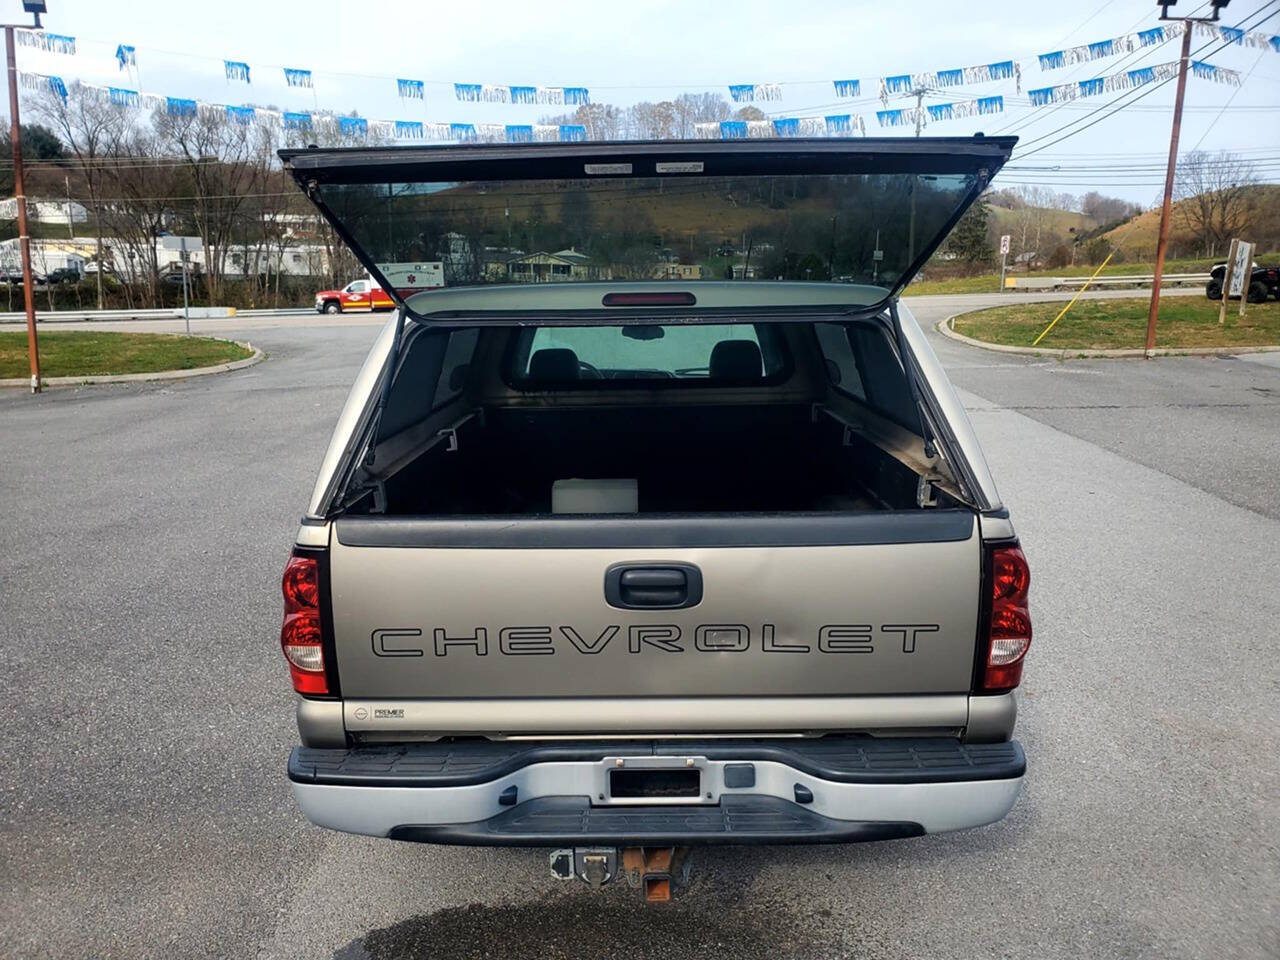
{"x":685,"y":354}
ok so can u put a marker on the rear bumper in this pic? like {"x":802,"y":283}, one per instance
{"x":505,"y":794}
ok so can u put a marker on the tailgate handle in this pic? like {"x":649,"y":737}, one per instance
{"x":653,"y":586}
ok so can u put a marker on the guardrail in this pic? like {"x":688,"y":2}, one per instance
{"x":1138,"y":280}
{"x":197,"y":313}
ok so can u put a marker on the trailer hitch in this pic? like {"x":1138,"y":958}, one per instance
{"x":658,"y":871}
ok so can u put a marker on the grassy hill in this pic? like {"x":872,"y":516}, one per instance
{"x":1051,"y":221}
{"x":1137,"y":238}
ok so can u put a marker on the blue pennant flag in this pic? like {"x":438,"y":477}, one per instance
{"x":848,"y":88}
{"x":786,"y":127}
{"x":240,"y":114}
{"x":353,"y":126}
{"x":991,"y":104}
{"x":940,"y":111}
{"x":123,"y":98}
{"x":1232,"y":34}
{"x":572,"y":132}
{"x":297,"y":78}
{"x":1001,"y":70}
{"x":126,"y":56}
{"x":519,"y":132}
{"x":898,"y":84}
{"x":410,"y":89}
{"x":1275,"y":43}
{"x":468,"y":91}
{"x":1205,"y":71}
{"x":576,"y":95}
{"x":1141,"y":75}
{"x":462,"y":131}
{"x":1103,"y":48}
{"x":891,"y":118}
{"x":179,"y":107}
{"x":1149,"y":38}
{"x":523,"y":95}
{"x":236,"y":70}
{"x":297,"y":121}
{"x":740,"y":92}
{"x":1053,"y":61}
{"x":839,"y":123}
{"x":733,"y":129}
{"x":1041,"y":96}
{"x":409,"y":130}
{"x":950,"y":78}
{"x":1092,"y":87}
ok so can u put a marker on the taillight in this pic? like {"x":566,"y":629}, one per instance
{"x":301,"y":634}
{"x":1009,"y":630}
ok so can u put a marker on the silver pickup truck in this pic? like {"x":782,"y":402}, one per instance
{"x":659,"y":524}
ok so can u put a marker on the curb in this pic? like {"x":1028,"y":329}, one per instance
{"x":944,"y":328}
{"x":258,"y":357}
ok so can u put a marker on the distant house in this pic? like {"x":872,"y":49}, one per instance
{"x":542,"y":267}
{"x":678,"y":271}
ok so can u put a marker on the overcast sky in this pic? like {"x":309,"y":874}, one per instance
{"x":654,"y":50}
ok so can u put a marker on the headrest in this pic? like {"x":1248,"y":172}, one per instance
{"x":553,"y":363}
{"x":736,"y":360}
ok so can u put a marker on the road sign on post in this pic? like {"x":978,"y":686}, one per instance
{"x":1227,"y":277}
{"x":1004,"y":253}
{"x":1243,"y":278}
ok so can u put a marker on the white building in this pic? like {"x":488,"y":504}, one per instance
{"x":62,"y":212}
{"x":46,"y":256}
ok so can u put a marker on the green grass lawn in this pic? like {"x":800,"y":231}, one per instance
{"x":83,"y":353}
{"x":1122,"y":324}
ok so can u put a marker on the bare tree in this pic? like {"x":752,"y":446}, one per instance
{"x":220,"y":158}
{"x":1213,"y":197}
{"x":89,"y":123}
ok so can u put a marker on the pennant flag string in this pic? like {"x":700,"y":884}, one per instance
{"x":1252,"y":38}
{"x":494,"y":93}
{"x":353,"y":126}
{"x":410,"y":89}
{"x":967,"y":108}
{"x":297,"y":78}
{"x":43,"y":81}
{"x":50,"y":42}
{"x":748,"y":92}
{"x":236,"y":70}
{"x":1129,"y":79}
{"x":905,"y":83}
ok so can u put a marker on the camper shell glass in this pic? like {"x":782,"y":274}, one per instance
{"x":860,"y":216}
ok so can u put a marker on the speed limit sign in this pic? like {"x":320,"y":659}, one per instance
{"x":1004,"y":245}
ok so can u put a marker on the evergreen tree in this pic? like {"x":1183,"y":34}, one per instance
{"x":970,"y":241}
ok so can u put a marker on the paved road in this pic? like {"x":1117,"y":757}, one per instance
{"x":146,"y":715}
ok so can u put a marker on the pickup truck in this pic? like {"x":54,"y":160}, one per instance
{"x":628,"y":564}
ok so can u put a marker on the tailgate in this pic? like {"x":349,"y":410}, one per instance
{"x":861,"y":605}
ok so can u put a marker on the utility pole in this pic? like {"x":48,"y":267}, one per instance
{"x":1162,"y":243}
{"x":19,"y":192}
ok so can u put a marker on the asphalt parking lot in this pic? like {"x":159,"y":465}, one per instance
{"x":147,"y":712}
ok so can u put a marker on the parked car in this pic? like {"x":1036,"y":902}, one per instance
{"x":358,"y":295}
{"x":1263,"y":282}
{"x":65,"y":275}
{"x":598,"y":566}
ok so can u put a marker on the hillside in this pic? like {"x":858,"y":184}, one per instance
{"x":1052,"y":221}
{"x":1137,"y":238}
